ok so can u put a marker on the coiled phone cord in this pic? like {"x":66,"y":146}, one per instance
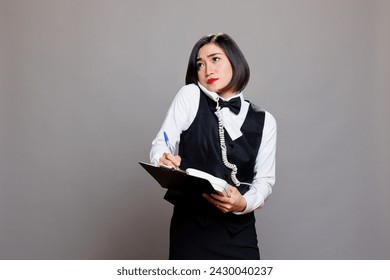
{"x":225,"y":161}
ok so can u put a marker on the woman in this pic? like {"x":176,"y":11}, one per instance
{"x":218,"y":132}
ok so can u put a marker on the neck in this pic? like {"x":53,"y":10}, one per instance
{"x":227,"y":94}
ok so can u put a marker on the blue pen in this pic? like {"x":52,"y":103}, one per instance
{"x":170,"y":147}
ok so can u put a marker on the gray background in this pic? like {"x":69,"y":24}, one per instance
{"x":85,"y":86}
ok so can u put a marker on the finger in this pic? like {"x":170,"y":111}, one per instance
{"x":218,"y":195}
{"x":211,"y":200}
{"x":175,"y":160}
{"x":221,"y":198}
{"x":222,"y":208}
{"x":166,"y":160}
{"x":217,"y":203}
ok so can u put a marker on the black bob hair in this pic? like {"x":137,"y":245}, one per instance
{"x":241,"y":72}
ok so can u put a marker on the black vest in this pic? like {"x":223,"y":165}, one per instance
{"x":200,"y":148}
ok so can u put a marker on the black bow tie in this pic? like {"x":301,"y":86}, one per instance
{"x":233,"y":104}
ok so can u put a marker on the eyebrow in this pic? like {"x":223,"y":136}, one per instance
{"x":210,"y":55}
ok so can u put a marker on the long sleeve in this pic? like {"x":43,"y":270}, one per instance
{"x":179,"y":117}
{"x":264,"y":178}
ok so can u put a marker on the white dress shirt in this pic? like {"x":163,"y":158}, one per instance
{"x":180,"y":116}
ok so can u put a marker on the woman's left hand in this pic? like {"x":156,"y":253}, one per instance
{"x":235,"y":203}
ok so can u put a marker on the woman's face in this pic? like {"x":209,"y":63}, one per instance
{"x":214,"y":69}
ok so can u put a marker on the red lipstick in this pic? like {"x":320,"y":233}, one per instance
{"x":212,"y":80}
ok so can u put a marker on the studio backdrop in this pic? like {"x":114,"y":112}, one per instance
{"x":84,"y":88}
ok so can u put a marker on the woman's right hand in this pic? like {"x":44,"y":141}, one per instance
{"x":168,"y":159}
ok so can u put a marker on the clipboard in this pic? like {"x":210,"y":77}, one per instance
{"x":178,"y":180}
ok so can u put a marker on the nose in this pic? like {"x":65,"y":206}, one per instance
{"x":209,"y":69}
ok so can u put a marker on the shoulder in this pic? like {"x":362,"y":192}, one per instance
{"x":188,"y":95}
{"x":270,"y":126}
{"x":189,"y":91}
{"x":255,"y":107}
{"x":269,"y":119}
{"x":186,"y":101}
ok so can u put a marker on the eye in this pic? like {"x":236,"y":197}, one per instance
{"x":200,"y":65}
{"x":216,"y":58}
